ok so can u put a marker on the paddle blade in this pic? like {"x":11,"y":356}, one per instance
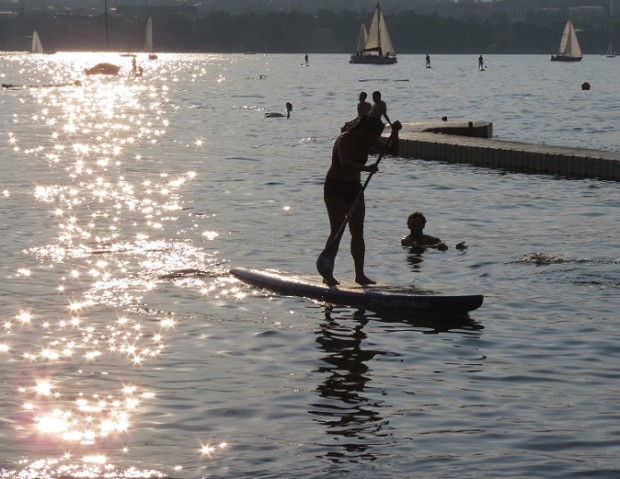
{"x":325,"y":263}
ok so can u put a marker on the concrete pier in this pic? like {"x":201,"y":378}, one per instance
{"x":471,"y":142}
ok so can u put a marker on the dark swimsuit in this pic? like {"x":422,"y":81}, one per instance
{"x":346,"y":190}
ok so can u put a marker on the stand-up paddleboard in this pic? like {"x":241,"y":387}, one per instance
{"x":351,"y":294}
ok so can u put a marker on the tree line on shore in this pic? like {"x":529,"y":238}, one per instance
{"x":278,"y":32}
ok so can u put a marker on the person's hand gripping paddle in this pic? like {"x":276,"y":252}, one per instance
{"x":326,"y":260}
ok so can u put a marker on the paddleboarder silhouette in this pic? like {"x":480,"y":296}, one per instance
{"x":344,"y":195}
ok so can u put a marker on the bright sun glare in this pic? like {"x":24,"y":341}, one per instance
{"x":112,"y":244}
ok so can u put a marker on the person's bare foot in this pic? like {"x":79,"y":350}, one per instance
{"x":363,"y":280}
{"x":331,"y":281}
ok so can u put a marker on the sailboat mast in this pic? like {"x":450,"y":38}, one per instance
{"x":610,"y":48}
{"x":107,"y":41}
{"x":379,"y":29}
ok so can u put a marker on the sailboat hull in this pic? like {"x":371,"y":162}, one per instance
{"x":372,"y":59}
{"x":564,"y":58}
{"x":103,"y":69}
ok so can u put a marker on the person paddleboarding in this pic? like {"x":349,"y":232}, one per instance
{"x":344,"y":194}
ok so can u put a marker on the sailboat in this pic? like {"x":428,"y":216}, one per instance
{"x":610,"y":51}
{"x":37,"y":46}
{"x":569,"y":51}
{"x":377,"y":48}
{"x":148,"y":42}
{"x":104,"y":68}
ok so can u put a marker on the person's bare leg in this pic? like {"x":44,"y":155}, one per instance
{"x":358,"y":245}
{"x":336,"y":211}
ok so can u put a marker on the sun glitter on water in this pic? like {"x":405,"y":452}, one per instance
{"x":109,"y":246}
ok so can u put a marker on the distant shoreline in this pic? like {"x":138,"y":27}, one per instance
{"x":278,"y":32}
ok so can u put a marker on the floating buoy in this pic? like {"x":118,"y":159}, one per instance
{"x":585,"y":85}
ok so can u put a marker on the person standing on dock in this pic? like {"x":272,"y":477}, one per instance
{"x":379,"y":108}
{"x":363,"y":107}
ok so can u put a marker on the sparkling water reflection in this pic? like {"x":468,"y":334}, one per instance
{"x":102,"y":245}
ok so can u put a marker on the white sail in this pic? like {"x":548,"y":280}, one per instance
{"x":362,"y":39}
{"x":610,"y":51}
{"x":386,"y":42}
{"x":379,"y":41}
{"x":569,"y":45}
{"x":37,"y":46}
{"x":148,"y":42}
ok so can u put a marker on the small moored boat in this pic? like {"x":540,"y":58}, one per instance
{"x":103,"y":69}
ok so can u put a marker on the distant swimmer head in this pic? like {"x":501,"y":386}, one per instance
{"x":416,"y":218}
{"x":585,"y":85}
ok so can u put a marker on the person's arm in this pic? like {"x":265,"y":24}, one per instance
{"x":387,"y":117}
{"x":380,"y":144}
{"x":430,"y":240}
{"x":345,"y":151}
{"x":433,"y":242}
{"x":407,"y":241}
{"x":385,"y":114}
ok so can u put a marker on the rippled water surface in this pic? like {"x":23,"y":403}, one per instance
{"x":127,"y":350}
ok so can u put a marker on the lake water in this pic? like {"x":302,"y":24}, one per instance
{"x":127,"y":350}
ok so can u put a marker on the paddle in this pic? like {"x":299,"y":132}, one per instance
{"x":326,"y":260}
